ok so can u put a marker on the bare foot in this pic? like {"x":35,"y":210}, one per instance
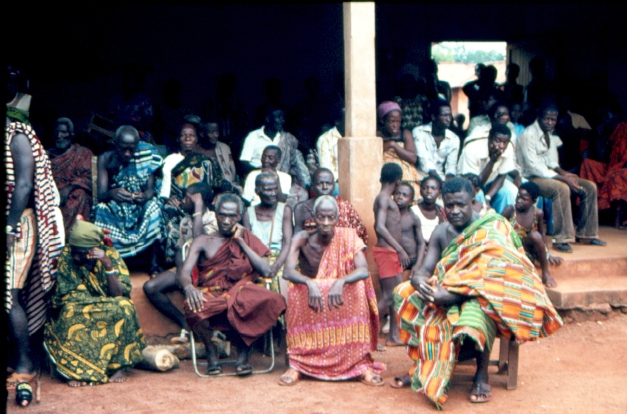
{"x":119,"y":376}
{"x":548,"y":280}
{"x":76,"y":384}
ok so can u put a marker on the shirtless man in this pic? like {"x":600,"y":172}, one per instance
{"x":411,"y":237}
{"x":388,"y":253}
{"x":440,"y":286}
{"x":229,"y":262}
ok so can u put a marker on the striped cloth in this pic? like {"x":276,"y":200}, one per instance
{"x":133,"y":227}
{"x":35,"y":294}
{"x":487,"y":264}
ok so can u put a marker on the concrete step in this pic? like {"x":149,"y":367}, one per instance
{"x":584,"y":293}
{"x":589,"y":261}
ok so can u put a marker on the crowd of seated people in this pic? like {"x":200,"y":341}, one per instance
{"x":209,"y":222}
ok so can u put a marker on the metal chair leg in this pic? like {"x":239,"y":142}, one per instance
{"x":195,"y":363}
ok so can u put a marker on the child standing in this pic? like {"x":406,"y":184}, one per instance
{"x":429,"y":213}
{"x":411,"y":232}
{"x":389,"y":255}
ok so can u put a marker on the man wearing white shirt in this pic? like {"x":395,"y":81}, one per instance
{"x":493,"y":159}
{"x":436,"y":145}
{"x":537,"y":154}
{"x":292,"y":161}
{"x":269,"y":161}
{"x":327,"y":142}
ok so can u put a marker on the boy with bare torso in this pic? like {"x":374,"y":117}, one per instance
{"x":390,"y":256}
{"x":411,"y":228}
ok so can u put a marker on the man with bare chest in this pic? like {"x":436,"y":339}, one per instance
{"x":455,"y":302}
{"x":222,"y":294}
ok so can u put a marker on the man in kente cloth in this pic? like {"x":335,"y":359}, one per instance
{"x":218,"y":278}
{"x":476,"y":279}
{"x":93,"y":334}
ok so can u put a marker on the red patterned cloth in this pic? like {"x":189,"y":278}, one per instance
{"x":349,"y":217}
{"x":334,"y":344}
{"x":73,"y":169}
{"x":232,"y":299}
{"x":611,"y":178}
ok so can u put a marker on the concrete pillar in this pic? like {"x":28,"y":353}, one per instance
{"x":360,"y":153}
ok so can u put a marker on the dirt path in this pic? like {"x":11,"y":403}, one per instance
{"x":580,"y":369}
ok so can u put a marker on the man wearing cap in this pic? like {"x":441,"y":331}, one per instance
{"x":93,"y":335}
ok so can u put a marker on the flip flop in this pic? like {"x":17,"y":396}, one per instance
{"x":214,"y":370}
{"x":290,"y":373}
{"x":380,"y":348}
{"x":479,"y":389}
{"x":401,"y":382}
{"x":243,"y":370}
{"x":369,"y":377}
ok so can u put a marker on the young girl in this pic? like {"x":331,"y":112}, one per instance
{"x":528,"y":222}
{"x":429,"y":213}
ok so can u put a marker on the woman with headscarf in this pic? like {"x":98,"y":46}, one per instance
{"x":93,"y":334}
{"x":398,"y":145}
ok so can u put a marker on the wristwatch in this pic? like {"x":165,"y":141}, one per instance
{"x":488,"y":198}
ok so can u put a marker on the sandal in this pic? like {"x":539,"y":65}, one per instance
{"x":480,"y":393}
{"x":370,"y":378}
{"x":243,"y":370}
{"x":401,"y":382}
{"x":214,"y":369}
{"x":292,"y":375}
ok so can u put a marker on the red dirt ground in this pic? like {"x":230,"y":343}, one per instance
{"x":579,"y":369}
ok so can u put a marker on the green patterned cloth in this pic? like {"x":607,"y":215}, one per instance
{"x":91,"y":335}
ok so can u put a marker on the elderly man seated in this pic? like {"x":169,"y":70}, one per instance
{"x":332,"y":317}
{"x":475,"y":280}
{"x":127,"y":187}
{"x":218,"y":278}
{"x":93,"y":334}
